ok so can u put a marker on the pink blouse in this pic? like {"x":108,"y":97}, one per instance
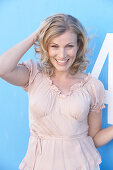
{"x":58,"y":123}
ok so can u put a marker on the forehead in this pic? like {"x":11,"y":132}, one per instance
{"x":66,"y":37}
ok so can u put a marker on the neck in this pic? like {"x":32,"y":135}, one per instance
{"x":61,"y":75}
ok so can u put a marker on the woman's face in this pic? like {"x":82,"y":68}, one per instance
{"x":62,"y":51}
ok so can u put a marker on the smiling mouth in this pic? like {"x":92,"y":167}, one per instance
{"x":62,"y":62}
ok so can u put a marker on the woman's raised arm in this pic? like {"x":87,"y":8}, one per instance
{"x":9,"y":70}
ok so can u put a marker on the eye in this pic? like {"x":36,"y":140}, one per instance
{"x":70,"y":45}
{"x":54,"y":46}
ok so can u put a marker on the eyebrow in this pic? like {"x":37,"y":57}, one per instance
{"x":66,"y":44}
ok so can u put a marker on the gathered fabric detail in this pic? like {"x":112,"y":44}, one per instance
{"x":97,"y":107}
{"x":58,"y":123}
{"x":72,"y":88}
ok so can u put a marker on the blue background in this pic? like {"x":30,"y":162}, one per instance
{"x":18,"y":19}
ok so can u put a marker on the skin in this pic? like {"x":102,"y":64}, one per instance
{"x":63,"y":48}
{"x":62,"y":52}
{"x":19,"y":75}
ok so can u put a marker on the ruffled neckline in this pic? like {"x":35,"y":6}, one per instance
{"x":72,"y":88}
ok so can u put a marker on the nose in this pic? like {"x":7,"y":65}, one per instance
{"x":62,"y":53}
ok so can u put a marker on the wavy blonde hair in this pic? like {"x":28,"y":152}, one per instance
{"x":56,"y":25}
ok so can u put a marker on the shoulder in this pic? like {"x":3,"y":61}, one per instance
{"x":32,"y":64}
{"x":34,"y":69}
{"x":93,"y":85}
{"x":94,"y":82}
{"x":96,"y":87}
{"x":97,"y":92}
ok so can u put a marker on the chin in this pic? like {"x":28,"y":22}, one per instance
{"x":61,"y":69}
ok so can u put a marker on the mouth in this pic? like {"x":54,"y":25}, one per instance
{"x":62,"y":62}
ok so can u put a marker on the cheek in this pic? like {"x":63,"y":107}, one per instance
{"x":51,"y":53}
{"x":51,"y":56}
{"x":73,"y":53}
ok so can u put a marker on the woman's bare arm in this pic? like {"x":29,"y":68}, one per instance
{"x":100,"y":136}
{"x":9,"y":70}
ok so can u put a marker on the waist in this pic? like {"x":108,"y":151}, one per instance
{"x":56,"y":137}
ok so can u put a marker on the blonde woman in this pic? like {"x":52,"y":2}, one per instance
{"x":65,"y":104}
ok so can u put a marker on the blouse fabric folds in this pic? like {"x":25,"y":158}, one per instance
{"x":58,"y":123}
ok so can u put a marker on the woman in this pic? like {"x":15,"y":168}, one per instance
{"x":65,"y":104}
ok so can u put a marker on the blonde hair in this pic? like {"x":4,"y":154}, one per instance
{"x":56,"y":25}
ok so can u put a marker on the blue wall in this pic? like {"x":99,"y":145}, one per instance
{"x":18,"y":19}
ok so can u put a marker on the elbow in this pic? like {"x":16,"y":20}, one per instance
{"x":2,"y":73}
{"x":95,"y":142}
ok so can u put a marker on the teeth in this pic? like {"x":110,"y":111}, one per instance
{"x":62,"y":61}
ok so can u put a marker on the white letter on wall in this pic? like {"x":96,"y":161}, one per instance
{"x":106,"y":50}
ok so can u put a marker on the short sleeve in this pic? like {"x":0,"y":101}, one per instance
{"x":33,"y":68}
{"x":98,"y":95}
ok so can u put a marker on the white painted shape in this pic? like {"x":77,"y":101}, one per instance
{"x":106,"y":50}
